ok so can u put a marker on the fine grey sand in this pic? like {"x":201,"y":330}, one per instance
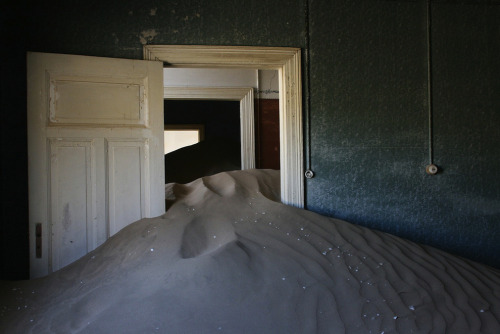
{"x":227,"y":257}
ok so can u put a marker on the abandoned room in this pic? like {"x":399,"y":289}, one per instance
{"x":341,"y":175}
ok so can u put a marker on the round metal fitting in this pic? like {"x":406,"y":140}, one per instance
{"x":309,"y":174}
{"x":431,"y":169}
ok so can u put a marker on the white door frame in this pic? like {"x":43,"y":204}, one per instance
{"x":243,"y":95}
{"x":287,"y":62}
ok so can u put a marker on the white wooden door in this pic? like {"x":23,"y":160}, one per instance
{"x":95,"y":152}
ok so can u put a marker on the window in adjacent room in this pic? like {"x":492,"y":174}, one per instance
{"x":178,"y":136}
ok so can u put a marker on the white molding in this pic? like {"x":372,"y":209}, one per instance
{"x":205,"y":93}
{"x":287,"y":62}
{"x":243,"y":95}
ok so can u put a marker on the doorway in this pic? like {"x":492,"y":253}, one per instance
{"x":287,"y":62}
{"x":218,"y":150}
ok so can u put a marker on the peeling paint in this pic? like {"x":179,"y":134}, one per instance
{"x":268,"y":84}
{"x":147,"y":36}
{"x":66,"y":219}
{"x":116,"y":40}
{"x":190,"y":18}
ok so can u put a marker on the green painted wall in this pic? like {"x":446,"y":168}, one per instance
{"x":369,"y":120}
{"x":365,"y":102}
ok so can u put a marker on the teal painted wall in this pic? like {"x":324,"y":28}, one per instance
{"x":365,"y":102}
{"x":369,"y":121}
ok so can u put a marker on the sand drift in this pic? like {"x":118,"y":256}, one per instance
{"x":227,"y":257}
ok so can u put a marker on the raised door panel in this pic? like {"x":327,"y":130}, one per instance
{"x":97,"y":100}
{"x":72,"y":194}
{"x":128,"y":182}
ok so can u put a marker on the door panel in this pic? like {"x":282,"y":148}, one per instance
{"x":128,"y":173}
{"x":95,"y":151}
{"x":72,"y":200}
{"x":98,"y":99}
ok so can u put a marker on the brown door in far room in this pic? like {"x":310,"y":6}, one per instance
{"x":267,"y":133}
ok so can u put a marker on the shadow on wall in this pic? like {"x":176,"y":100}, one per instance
{"x":205,"y":158}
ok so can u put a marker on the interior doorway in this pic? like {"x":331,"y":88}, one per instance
{"x":244,"y":95}
{"x":218,"y":150}
{"x":288,"y":64}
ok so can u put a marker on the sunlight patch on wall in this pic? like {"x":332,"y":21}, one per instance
{"x":179,"y":136}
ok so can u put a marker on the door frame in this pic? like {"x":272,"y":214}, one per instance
{"x":241,"y":94}
{"x":287,"y":61}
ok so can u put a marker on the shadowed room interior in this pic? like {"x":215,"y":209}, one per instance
{"x":220,"y":148}
{"x":374,"y":206}
{"x":366,"y":96}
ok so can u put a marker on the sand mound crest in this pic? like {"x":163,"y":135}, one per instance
{"x":222,"y":184}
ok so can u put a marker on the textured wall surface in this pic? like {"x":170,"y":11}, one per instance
{"x":365,"y":102}
{"x":369,"y":121}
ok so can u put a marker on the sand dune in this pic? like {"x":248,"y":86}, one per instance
{"x":227,"y":257}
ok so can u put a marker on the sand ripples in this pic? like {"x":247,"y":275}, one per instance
{"x":228,"y":258}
